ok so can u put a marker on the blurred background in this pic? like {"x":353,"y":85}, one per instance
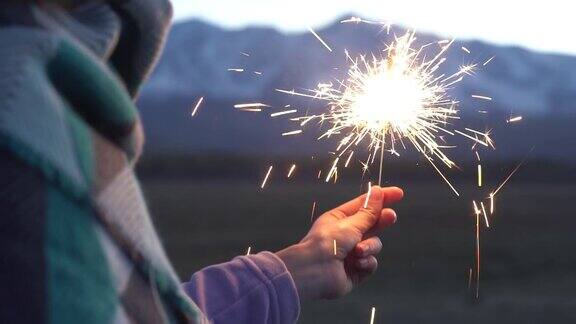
{"x":201,"y":175}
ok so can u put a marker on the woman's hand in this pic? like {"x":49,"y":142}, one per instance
{"x":340,"y":249}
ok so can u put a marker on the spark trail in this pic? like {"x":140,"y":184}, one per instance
{"x":389,"y":100}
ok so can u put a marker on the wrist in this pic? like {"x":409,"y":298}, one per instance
{"x":300,"y":263}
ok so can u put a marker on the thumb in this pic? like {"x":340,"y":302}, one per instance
{"x":368,"y":215}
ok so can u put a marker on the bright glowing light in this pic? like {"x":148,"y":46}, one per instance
{"x":389,"y":99}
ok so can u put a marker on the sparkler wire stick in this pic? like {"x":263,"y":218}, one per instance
{"x":381,"y":161}
{"x":368,"y":195}
{"x":477,"y":254}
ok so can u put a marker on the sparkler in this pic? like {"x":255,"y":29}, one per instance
{"x":389,"y":100}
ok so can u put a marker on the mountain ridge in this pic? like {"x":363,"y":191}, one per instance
{"x":198,"y":57}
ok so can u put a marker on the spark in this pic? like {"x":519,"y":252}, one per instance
{"x":368,"y":194}
{"x":249,"y":250}
{"x":292,"y":168}
{"x":313,"y":210}
{"x":251,"y":109}
{"x":333,"y":169}
{"x":257,"y":72}
{"x":356,"y":20}
{"x":266,"y":177}
{"x":198,"y":103}
{"x":484,"y":213}
{"x":335,"y":248}
{"x":468,"y":69}
{"x":479,"y":175}
{"x":482,"y":97}
{"x":469,"y":278}
{"x":245,"y":54}
{"x":348,"y":159}
{"x":465,"y":49}
{"x":491,"y":203}
{"x":319,"y":38}
{"x":477,"y":251}
{"x":477,"y":156}
{"x":476,"y":209}
{"x":251,"y":105}
{"x":514,"y":119}
{"x":236,"y":70}
{"x":391,"y":99}
{"x":319,"y":174}
{"x":472,"y":138}
{"x":285,"y":112}
{"x":372,"y":315}
{"x":292,"y":133}
{"x":488,"y":61}
{"x":507,"y":179}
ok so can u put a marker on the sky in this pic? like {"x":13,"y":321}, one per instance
{"x":540,"y":25}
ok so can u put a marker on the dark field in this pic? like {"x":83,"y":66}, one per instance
{"x":528,"y":255}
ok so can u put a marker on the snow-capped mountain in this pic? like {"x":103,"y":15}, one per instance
{"x":201,"y":60}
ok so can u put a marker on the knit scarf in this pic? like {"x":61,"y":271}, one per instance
{"x":67,"y":82}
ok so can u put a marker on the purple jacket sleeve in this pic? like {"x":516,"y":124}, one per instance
{"x":254,"y":289}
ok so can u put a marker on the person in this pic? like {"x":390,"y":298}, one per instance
{"x":78,"y":245}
